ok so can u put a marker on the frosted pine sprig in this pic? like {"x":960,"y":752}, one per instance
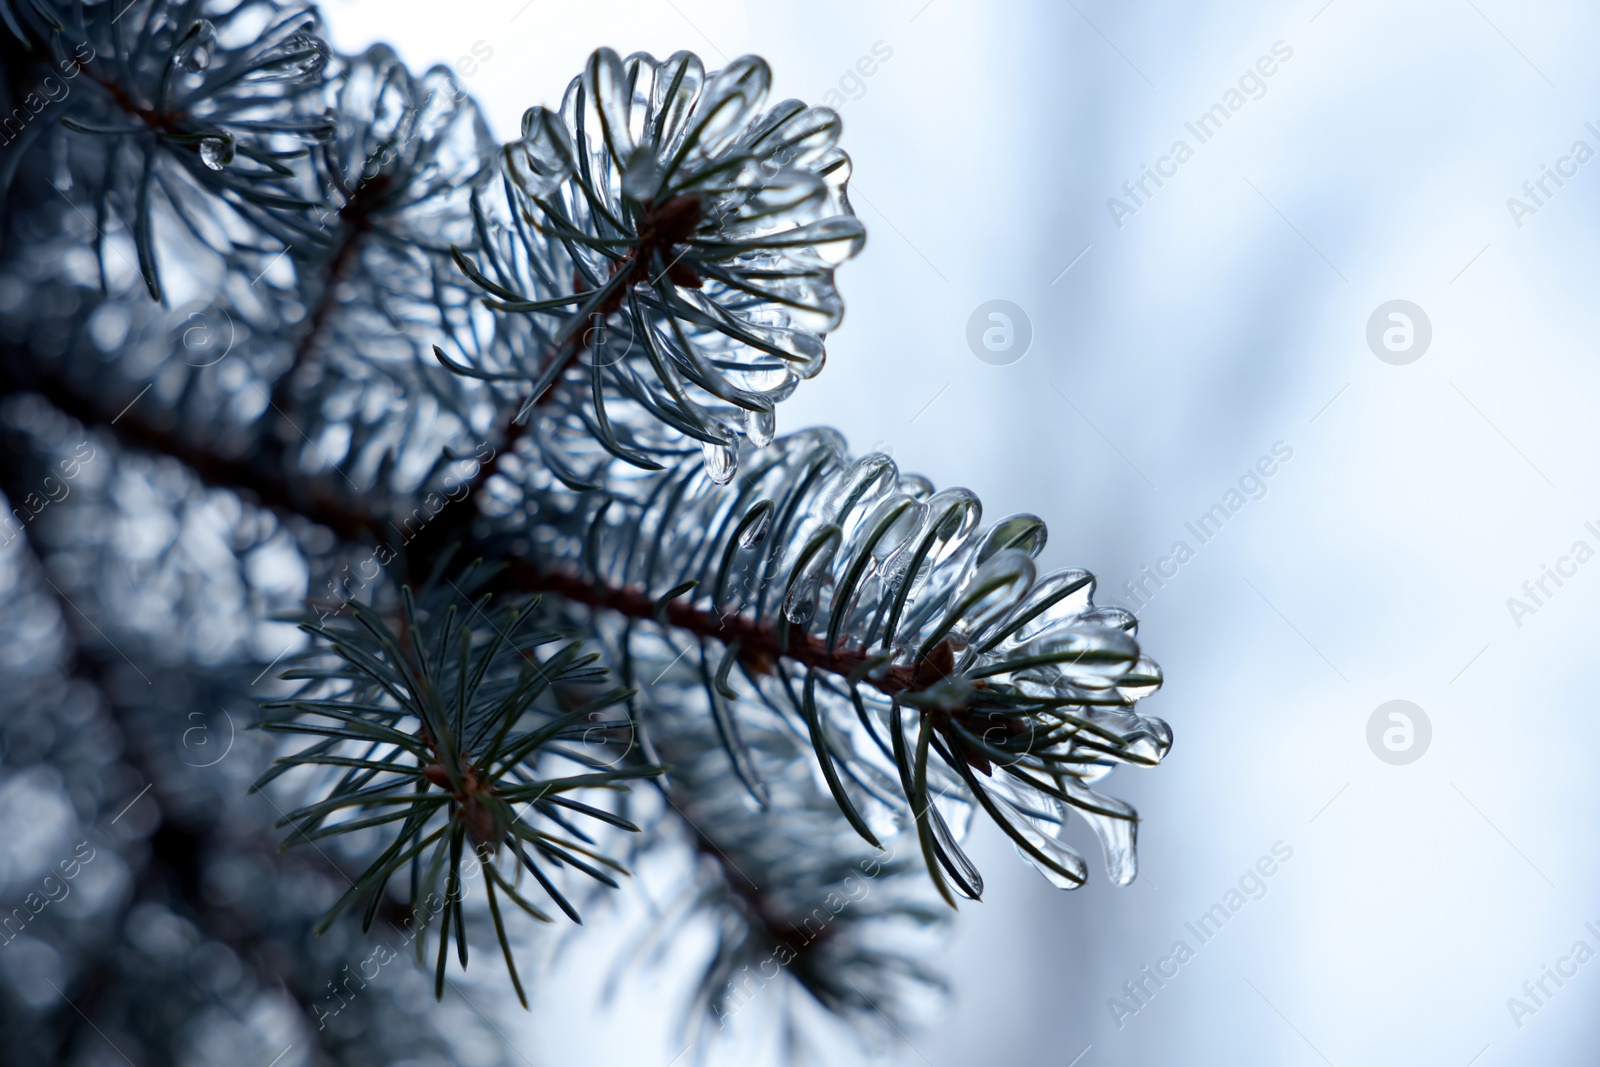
{"x":796,"y":902}
{"x":452,"y":732}
{"x":191,"y":121}
{"x":675,"y":240}
{"x":928,"y":664}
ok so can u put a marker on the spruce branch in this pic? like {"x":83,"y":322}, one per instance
{"x":922,"y":658}
{"x":194,"y":120}
{"x":796,"y":902}
{"x":445,"y":728}
{"x":120,"y":692}
{"x":679,"y":236}
{"x":318,"y":395}
{"x":562,"y":358}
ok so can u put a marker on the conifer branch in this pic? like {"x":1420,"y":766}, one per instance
{"x":546,"y":374}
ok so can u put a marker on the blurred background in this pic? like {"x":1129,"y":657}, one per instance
{"x":1364,"y":271}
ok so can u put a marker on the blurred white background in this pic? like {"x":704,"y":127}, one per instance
{"x":1227,"y":314}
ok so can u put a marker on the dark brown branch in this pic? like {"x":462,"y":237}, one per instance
{"x":247,"y":476}
{"x":355,"y":219}
{"x":759,"y":645}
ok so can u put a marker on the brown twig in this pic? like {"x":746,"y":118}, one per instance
{"x":759,"y":644}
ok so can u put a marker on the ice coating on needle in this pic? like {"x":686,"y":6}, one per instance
{"x":920,"y":653}
{"x":673,"y":236}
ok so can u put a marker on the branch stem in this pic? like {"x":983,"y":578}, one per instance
{"x":759,"y":645}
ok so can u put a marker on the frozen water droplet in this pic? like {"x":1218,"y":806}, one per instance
{"x":543,"y":159}
{"x":195,"y":49}
{"x":761,"y":426}
{"x":1117,"y":617}
{"x":772,"y":380}
{"x":299,"y":58}
{"x":757,"y":531}
{"x":721,"y":462}
{"x":1149,"y":742}
{"x":859,"y":487}
{"x":967,"y":881}
{"x":642,"y":175}
{"x":1056,"y":600}
{"x":1062,"y":857}
{"x":1040,"y":820}
{"x":1142,"y":679}
{"x":1116,"y":836}
{"x":1065,"y":869}
{"x":800,"y":606}
{"x":215,"y":152}
{"x":1023,"y":533}
{"x":1114,"y":823}
{"x":900,"y":530}
{"x":992,"y":591}
{"x":1093,"y":657}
